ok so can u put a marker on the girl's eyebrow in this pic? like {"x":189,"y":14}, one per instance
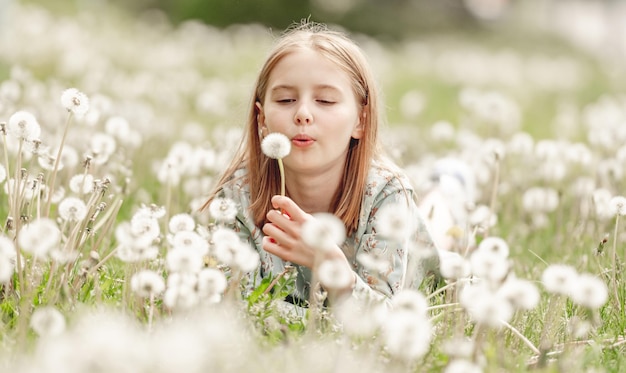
{"x":317,"y":87}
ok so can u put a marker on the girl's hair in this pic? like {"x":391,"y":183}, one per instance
{"x":263,"y":173}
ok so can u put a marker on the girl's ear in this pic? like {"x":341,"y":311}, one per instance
{"x":358,"y":130}
{"x":260,"y":117}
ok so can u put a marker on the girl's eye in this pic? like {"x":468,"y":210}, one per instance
{"x":285,"y":100}
{"x":326,"y":102}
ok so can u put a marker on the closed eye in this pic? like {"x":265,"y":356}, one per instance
{"x":286,"y":100}
{"x":326,"y":102}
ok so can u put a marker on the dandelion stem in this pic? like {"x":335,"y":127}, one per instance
{"x":494,"y":191}
{"x":281,"y":168}
{"x":614,"y":277}
{"x":522,"y":337}
{"x":55,"y":169}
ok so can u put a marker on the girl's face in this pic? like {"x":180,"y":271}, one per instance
{"x":310,"y":100}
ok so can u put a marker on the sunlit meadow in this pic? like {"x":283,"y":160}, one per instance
{"x":113,"y":130}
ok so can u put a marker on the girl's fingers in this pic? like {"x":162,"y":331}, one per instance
{"x":289,"y":208}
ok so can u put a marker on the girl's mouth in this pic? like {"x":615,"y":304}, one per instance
{"x":302,"y":140}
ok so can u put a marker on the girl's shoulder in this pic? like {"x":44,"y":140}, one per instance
{"x":236,"y":186}
{"x":384,"y":175}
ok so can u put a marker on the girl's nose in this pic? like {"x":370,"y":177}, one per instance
{"x":303,"y":115}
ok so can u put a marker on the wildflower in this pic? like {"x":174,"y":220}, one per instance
{"x":223,"y":210}
{"x":491,"y":267}
{"x":180,"y":297}
{"x":39,"y":236}
{"x":82,"y":183}
{"x":333,"y":274}
{"x":190,"y":240}
{"x":147,"y":283}
{"x":559,"y":278}
{"x":151,"y":211}
{"x":72,"y":209}
{"x":117,"y":126}
{"x":483,"y":216}
{"x":181,"y":222}
{"x":8,"y":258}
{"x":182,"y":260}
{"x":211,"y":282}
{"x":411,"y":301}
{"x":75,"y":101}
{"x":540,"y":199}
{"x":617,"y":205}
{"x":407,"y":337}
{"x":323,"y":231}
{"x":24,"y":126}
{"x":47,"y":321}
{"x":495,"y":245}
{"x":145,"y":226}
{"x":485,"y":307}
{"x":7,"y":268}
{"x":522,"y":294}
{"x":395,"y":222}
{"x":454,"y":266}
{"x":363,"y":326}
{"x":167,"y":173}
{"x":462,"y":366}
{"x":225,"y":243}
{"x":246,"y":259}
{"x":589,"y":291}
{"x":3,"y":173}
{"x":276,"y":145}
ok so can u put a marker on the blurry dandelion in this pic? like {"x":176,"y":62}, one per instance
{"x":181,"y":222}
{"x":24,"y":126}
{"x":522,"y":294}
{"x":410,"y":301}
{"x":617,"y":205}
{"x":454,"y":267}
{"x":82,"y":183}
{"x":72,"y":209}
{"x":223,"y":210}
{"x":394,"y":222}
{"x":495,"y":245}
{"x":488,"y":266}
{"x":3,"y":173}
{"x":190,"y":240}
{"x":589,"y":291}
{"x":406,"y":336}
{"x":484,"y":306}
{"x":75,"y":101}
{"x":147,"y":283}
{"x":559,"y":278}
{"x":182,"y":260}
{"x":47,"y":321}
{"x":462,"y":366}
{"x":8,"y":258}
{"x":211,"y":283}
{"x":39,"y":236}
{"x":333,"y":274}
{"x":323,"y":231}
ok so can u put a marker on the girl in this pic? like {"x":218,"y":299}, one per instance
{"x":317,"y":88}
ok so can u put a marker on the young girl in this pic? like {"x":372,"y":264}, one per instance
{"x":317,"y":88}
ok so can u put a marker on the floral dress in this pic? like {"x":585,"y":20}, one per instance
{"x":397,"y":265}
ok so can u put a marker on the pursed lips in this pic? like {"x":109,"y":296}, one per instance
{"x":302,"y":140}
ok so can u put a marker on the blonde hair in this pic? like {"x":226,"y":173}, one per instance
{"x":262,"y":172}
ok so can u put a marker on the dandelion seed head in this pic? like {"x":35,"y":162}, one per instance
{"x":245,"y":259}
{"x":363,"y":326}
{"x":462,"y":366}
{"x":3,"y":173}
{"x":454,"y":267}
{"x":180,"y":297}
{"x":407,"y":337}
{"x":223,"y":210}
{"x":276,"y":145}
{"x":495,"y":246}
{"x":39,"y":236}
{"x":72,"y":209}
{"x":147,"y":283}
{"x":487,"y":308}
{"x":144,"y":226}
{"x":75,"y":101}
{"x":82,"y":183}
{"x":539,"y":199}
{"x":374,"y":262}
{"x":559,"y":278}
{"x":410,"y":301}
{"x":181,"y":222}
{"x":24,"y":126}
{"x":617,"y":205}
{"x":7,"y":268}
{"x":589,"y":291}
{"x":394,"y":222}
{"x":489,"y":266}
{"x":183,"y":260}
{"x":522,"y":294}
{"x":190,"y":240}
{"x":211,"y":282}
{"x":117,"y":126}
{"x":333,"y":274}
{"x":323,"y":231}
{"x":47,"y":321}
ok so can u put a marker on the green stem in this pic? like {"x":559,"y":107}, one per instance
{"x":281,"y":168}
{"x":55,"y":169}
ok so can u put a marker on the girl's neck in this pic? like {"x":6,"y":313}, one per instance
{"x":313,"y":193}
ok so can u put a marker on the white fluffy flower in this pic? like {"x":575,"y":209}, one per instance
{"x":183,"y":260}
{"x":589,"y":291}
{"x":522,"y":294}
{"x":39,"y":236}
{"x":223,"y":210}
{"x":559,"y":278}
{"x":394,"y":221}
{"x":406,"y":336}
{"x":495,"y":246}
{"x":276,"y":145}
{"x":488,"y":266}
{"x":82,"y":184}
{"x":411,"y":301}
{"x":3,"y":173}
{"x":539,"y":199}
{"x":181,"y":222}
{"x":23,"y":125}
{"x":462,"y":366}
{"x":72,"y":209}
{"x":617,"y":205}
{"x":180,"y":297}
{"x":190,"y":240}
{"x":147,"y":283}
{"x":211,"y":282}
{"x":47,"y":321}
{"x":333,"y":274}
{"x":453,"y":265}
{"x":75,"y":101}
{"x":323,"y":231}
{"x":485,"y":307}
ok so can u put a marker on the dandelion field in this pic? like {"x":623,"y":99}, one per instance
{"x":100,"y":187}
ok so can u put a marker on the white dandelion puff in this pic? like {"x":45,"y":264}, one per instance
{"x":488,"y":266}
{"x":333,"y":274}
{"x":411,"y":301}
{"x":454,"y":266}
{"x":3,"y":173}
{"x":7,"y":269}
{"x":211,"y":282}
{"x":495,"y":246}
{"x":246,"y":259}
{"x":82,"y":184}
{"x":72,"y":209}
{"x":407,"y":337}
{"x":589,"y":291}
{"x":185,"y":261}
{"x":24,"y":126}
{"x":147,"y":283}
{"x":39,"y":236}
{"x":47,"y":321}
{"x":394,"y":222}
{"x":559,"y":278}
{"x":485,"y":307}
{"x":617,"y":205}
{"x":190,"y":240}
{"x":181,"y":222}
{"x":180,"y":297}
{"x":223,"y":210}
{"x":276,"y":145}
{"x":145,"y":226}
{"x":462,"y":366}
{"x":522,"y":294}
{"x":323,"y":231}
{"x":75,"y":101}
